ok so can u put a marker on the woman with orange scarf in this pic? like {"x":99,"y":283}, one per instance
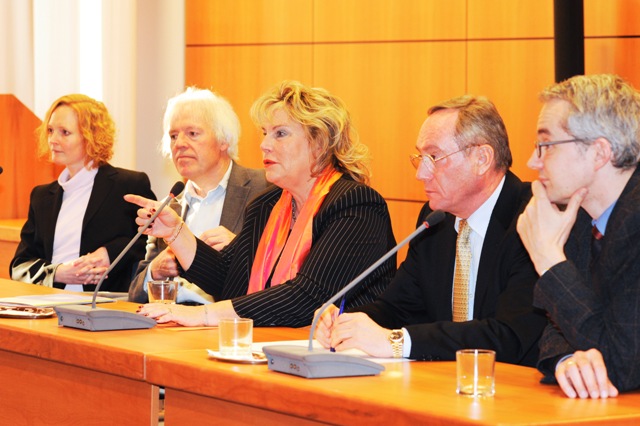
{"x":303,"y":239}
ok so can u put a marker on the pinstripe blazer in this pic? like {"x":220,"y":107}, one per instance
{"x":244,"y":184}
{"x":109,"y":222}
{"x":351,"y":231}
{"x":598,"y":308}
{"x":419,"y":297}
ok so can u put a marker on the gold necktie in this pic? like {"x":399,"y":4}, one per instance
{"x":461,"y":278}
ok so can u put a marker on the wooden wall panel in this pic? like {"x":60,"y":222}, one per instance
{"x":391,"y":60}
{"x":404,"y":216}
{"x":247,"y":21}
{"x":611,"y":17}
{"x":511,"y":74}
{"x":510,"y":19}
{"x":614,"y":55}
{"x":377,"y":20}
{"x":388,"y":88}
{"x":241,"y":74}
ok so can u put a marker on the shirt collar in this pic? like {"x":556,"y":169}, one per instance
{"x":190,"y":191}
{"x":601,"y":222}
{"x":85,"y":176}
{"x":479,"y":220}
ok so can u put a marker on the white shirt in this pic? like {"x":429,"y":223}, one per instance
{"x":66,"y":239}
{"x":479,"y":222}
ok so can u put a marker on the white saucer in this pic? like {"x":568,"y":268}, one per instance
{"x":256,"y":357}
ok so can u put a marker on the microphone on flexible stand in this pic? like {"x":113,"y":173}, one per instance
{"x":304,"y":362}
{"x":99,"y":319}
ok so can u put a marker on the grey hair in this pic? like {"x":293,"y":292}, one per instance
{"x":210,"y":108}
{"x":602,"y":106}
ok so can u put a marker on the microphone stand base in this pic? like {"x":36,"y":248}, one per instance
{"x":299,"y":361}
{"x":85,"y":317}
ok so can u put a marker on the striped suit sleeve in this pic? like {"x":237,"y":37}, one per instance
{"x":350,"y":232}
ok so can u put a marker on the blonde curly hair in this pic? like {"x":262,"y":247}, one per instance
{"x":326,"y":122}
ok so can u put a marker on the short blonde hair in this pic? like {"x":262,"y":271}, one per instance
{"x":96,"y":126}
{"x":326,"y":122}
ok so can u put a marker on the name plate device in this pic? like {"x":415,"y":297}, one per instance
{"x":304,"y":362}
{"x":299,"y":361}
{"x":92,"y":318}
{"x":86,"y":317}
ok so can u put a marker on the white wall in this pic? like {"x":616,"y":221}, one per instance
{"x":127,"y":53}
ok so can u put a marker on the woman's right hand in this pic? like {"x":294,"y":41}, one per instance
{"x":325,"y":325}
{"x":163,"y":226}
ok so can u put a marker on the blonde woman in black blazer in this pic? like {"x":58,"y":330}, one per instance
{"x":78,"y":224}
{"x":304,"y":239}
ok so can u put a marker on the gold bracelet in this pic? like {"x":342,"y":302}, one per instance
{"x":206,"y":315}
{"x":175,"y":234}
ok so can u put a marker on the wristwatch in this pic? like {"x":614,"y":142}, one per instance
{"x":396,"y":338}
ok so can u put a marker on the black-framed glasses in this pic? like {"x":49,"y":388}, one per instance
{"x":430,"y":161}
{"x":539,"y":145}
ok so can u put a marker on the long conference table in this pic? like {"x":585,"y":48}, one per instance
{"x":51,"y":375}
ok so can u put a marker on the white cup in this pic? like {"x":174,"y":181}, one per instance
{"x":235,"y":337}
{"x":164,"y":291}
{"x":476,"y":372}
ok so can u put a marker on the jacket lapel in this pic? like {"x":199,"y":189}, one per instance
{"x":102,"y":185}
{"x":501,"y":219}
{"x":235,"y":199}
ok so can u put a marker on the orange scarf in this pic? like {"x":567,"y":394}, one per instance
{"x":274,"y":237}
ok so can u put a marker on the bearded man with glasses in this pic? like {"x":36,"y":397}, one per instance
{"x":468,"y":281}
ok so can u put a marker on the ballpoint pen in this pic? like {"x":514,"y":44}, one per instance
{"x":332,"y":349}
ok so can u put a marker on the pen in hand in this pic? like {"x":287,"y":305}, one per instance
{"x":332,"y":349}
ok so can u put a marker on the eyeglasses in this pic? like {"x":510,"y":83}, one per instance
{"x":539,"y":145}
{"x":429,"y":161}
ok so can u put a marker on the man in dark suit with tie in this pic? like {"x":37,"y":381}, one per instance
{"x":201,"y":133}
{"x":587,"y":254}
{"x":438,"y":304}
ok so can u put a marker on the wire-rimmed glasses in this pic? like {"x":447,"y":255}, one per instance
{"x":430,"y":161}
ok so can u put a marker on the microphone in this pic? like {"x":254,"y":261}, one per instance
{"x":99,"y":319}
{"x":304,"y":362}
{"x":1,"y":170}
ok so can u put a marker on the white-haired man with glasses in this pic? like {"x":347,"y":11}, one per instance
{"x":582,"y":230}
{"x":468,"y":281}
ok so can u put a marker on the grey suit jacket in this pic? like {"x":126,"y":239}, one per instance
{"x":244,"y":184}
{"x":597,"y":307}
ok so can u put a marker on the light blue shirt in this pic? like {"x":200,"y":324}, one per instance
{"x":202,"y":213}
{"x":601,"y":222}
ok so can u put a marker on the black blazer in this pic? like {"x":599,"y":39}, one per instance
{"x":351,"y":231}
{"x":109,"y":222}
{"x":600,"y":307}
{"x":420,"y":296}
